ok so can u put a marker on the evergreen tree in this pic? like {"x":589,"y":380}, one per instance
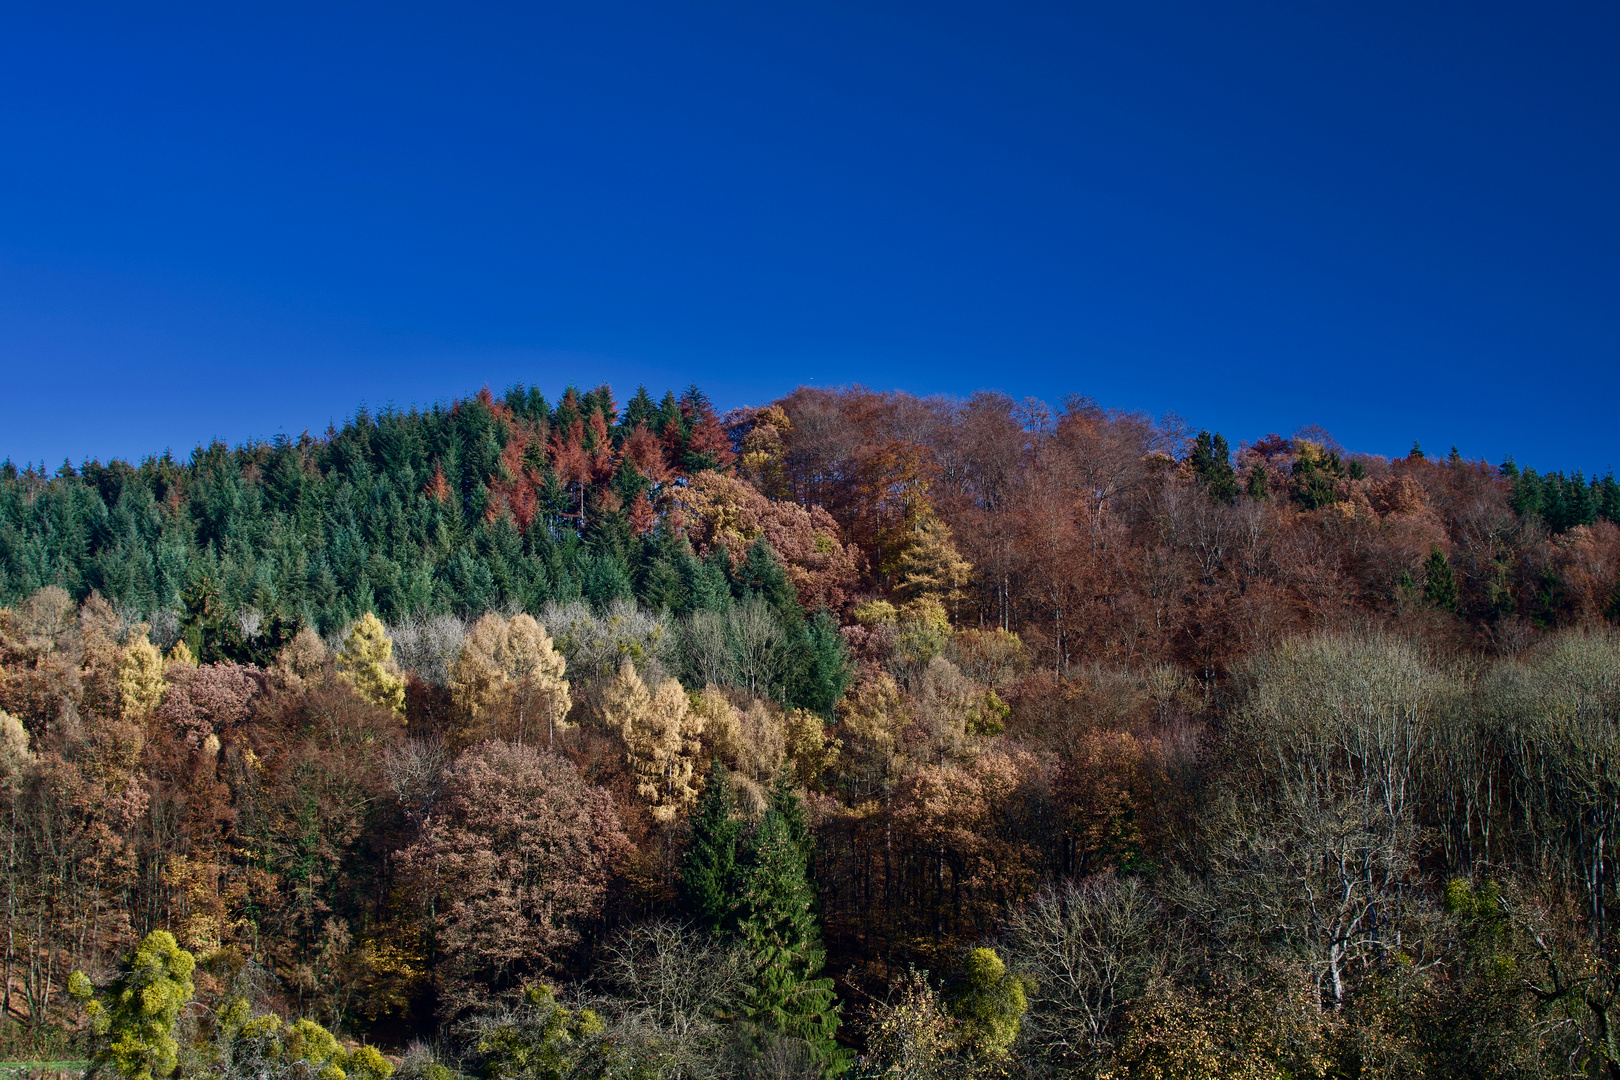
{"x":785,"y":997}
{"x":1439,"y":585}
{"x":1608,"y":498}
{"x":708,"y":875}
{"x":1212,"y":464}
{"x":824,"y":669}
{"x":762,"y":575}
{"x":1257,"y":487}
{"x":787,"y":804}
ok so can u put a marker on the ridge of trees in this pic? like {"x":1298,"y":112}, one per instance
{"x":859,"y":734}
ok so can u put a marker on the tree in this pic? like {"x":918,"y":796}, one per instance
{"x":662,"y":736}
{"x":989,"y":1005}
{"x":785,"y":997}
{"x":140,"y":677}
{"x":1211,"y":460}
{"x":267,"y":1047}
{"x":1439,"y":586}
{"x":1089,"y":949}
{"x":133,"y":1019}
{"x":516,"y":858}
{"x":709,"y":886}
{"x":931,"y":567}
{"x":542,"y":1039}
{"x":509,"y":678}
{"x":366,"y":663}
{"x":910,"y":1036}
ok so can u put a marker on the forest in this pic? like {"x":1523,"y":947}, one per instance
{"x":858,"y":735}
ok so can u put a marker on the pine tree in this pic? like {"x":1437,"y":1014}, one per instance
{"x":1439,"y":584}
{"x":709,"y":871}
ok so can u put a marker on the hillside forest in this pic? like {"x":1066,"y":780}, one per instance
{"x":859,"y":734}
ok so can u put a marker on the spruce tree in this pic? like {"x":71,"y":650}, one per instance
{"x":796,"y":820}
{"x":824,"y":669}
{"x":1212,"y":463}
{"x":709,"y":870}
{"x":1439,"y":584}
{"x":1257,"y":488}
{"x":762,"y":575}
{"x":785,"y":997}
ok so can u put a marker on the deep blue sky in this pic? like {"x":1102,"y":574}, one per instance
{"x":1397,"y":221}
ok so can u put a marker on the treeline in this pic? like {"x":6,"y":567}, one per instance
{"x":859,"y":734}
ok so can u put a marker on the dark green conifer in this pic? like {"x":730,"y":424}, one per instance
{"x":1257,"y":487}
{"x":709,"y":882}
{"x":1439,"y":585}
{"x":785,"y":997}
{"x":1212,"y":463}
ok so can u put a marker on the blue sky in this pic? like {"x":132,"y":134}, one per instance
{"x":1399,"y":221}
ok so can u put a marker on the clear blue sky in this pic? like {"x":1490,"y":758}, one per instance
{"x":1397,"y":221}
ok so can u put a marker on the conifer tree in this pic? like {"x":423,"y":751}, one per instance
{"x":661,"y":735}
{"x":1212,"y":464}
{"x":709,"y":870}
{"x":1439,"y":584}
{"x":762,"y":575}
{"x":931,"y":567}
{"x":366,"y":663}
{"x":824,"y":670}
{"x":785,"y":997}
{"x":140,"y":678}
{"x":1257,"y":488}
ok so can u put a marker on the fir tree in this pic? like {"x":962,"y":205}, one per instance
{"x":709,"y":870}
{"x":1439,"y":585}
{"x":1212,"y":464}
{"x":785,"y":997}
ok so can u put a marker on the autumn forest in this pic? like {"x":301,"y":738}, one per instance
{"x":855,"y":735}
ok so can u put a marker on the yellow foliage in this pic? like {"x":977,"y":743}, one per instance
{"x":14,"y":753}
{"x":662,"y":735}
{"x":509,"y":670}
{"x":181,"y":654}
{"x":931,"y":567}
{"x":140,"y":678}
{"x":366,"y":663}
{"x":810,"y":749}
{"x":875,"y":613}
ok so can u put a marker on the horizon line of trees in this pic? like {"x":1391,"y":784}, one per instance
{"x":884,"y":736}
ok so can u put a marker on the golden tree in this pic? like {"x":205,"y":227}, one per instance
{"x":140,"y":678}
{"x":662,"y":736}
{"x":509,"y":677}
{"x":366,"y":663}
